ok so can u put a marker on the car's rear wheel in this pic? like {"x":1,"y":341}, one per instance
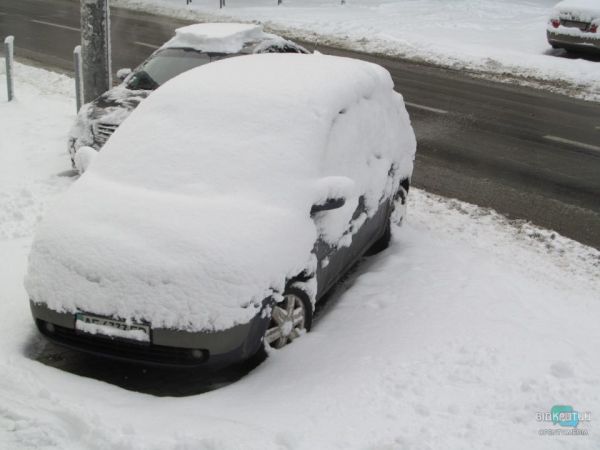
{"x":289,"y":319}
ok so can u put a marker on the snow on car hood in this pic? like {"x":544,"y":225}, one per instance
{"x":584,"y":10}
{"x":216,"y":37}
{"x":198,"y":206}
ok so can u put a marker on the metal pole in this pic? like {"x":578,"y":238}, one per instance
{"x":78,"y":86}
{"x":279,"y":2}
{"x":95,"y":48}
{"x":9,"y":55}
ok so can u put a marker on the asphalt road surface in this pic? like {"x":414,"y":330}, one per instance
{"x":528,"y":154}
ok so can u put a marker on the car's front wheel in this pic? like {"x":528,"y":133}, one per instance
{"x":289,"y":319}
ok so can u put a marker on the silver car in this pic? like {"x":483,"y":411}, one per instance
{"x":574,"y":25}
{"x":192,"y":46}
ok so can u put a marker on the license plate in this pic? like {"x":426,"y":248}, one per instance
{"x":575,"y":24}
{"x":112,"y":328}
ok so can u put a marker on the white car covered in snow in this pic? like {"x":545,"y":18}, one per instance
{"x":574,"y":25}
{"x":223,"y":209}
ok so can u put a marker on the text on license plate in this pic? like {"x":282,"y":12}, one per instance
{"x":112,"y":328}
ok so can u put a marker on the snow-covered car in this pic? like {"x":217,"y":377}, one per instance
{"x":223,"y":209}
{"x":192,"y":46}
{"x":574,"y":25}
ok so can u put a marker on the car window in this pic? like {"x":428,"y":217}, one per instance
{"x":278,"y":46}
{"x":286,"y":48}
{"x":166,"y":64}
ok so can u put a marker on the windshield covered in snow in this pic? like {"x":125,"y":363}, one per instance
{"x":168,"y":63}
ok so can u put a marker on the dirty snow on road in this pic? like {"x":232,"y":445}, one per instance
{"x":456,"y":337}
{"x":503,"y":37}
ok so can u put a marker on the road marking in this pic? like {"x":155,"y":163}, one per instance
{"x":143,"y":44}
{"x":574,"y":143}
{"x":426,"y":108}
{"x":50,"y":24}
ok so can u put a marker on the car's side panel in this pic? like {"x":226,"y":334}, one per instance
{"x":334,"y":263}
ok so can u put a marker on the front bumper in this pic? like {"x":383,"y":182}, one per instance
{"x":566,"y":41}
{"x":167,"y":347}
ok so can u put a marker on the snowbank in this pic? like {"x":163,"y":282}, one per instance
{"x":190,"y":219}
{"x":455,"y":337}
{"x":503,"y":37}
{"x":24,"y":172}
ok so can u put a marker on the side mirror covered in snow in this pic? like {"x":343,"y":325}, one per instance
{"x":83,"y":158}
{"x":332,"y":193}
{"x":123,"y":73}
{"x":328,"y":205}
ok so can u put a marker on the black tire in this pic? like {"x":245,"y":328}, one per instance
{"x":383,"y":242}
{"x":286,"y":325}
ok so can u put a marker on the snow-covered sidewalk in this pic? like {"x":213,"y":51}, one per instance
{"x":456,"y":337}
{"x":502,"y":37}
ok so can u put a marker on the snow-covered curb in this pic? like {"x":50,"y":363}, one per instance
{"x":506,"y":39}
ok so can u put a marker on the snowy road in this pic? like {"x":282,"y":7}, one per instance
{"x":526,"y":153}
{"x":456,"y":337}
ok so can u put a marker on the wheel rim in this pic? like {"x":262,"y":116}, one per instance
{"x":287,"y":321}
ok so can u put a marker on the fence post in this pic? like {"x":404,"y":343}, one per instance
{"x":9,"y":54}
{"x":78,"y":82}
{"x":279,"y":2}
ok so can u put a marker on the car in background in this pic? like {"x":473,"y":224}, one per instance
{"x":574,"y":25}
{"x":192,"y":46}
{"x":224,"y":208}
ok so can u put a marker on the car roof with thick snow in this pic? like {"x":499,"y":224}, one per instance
{"x":251,"y":115}
{"x":224,"y":38}
{"x":198,"y":206}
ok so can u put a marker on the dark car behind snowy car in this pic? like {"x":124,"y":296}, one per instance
{"x":192,"y":46}
{"x":575,"y":25}
{"x":223,"y":209}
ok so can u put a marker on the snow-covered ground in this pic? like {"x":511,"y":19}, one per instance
{"x":492,"y":36}
{"x":456,"y":337}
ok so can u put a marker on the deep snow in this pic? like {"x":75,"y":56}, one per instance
{"x":502,"y":37}
{"x":454,"y":338}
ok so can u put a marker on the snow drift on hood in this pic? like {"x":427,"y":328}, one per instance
{"x":198,"y":206}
